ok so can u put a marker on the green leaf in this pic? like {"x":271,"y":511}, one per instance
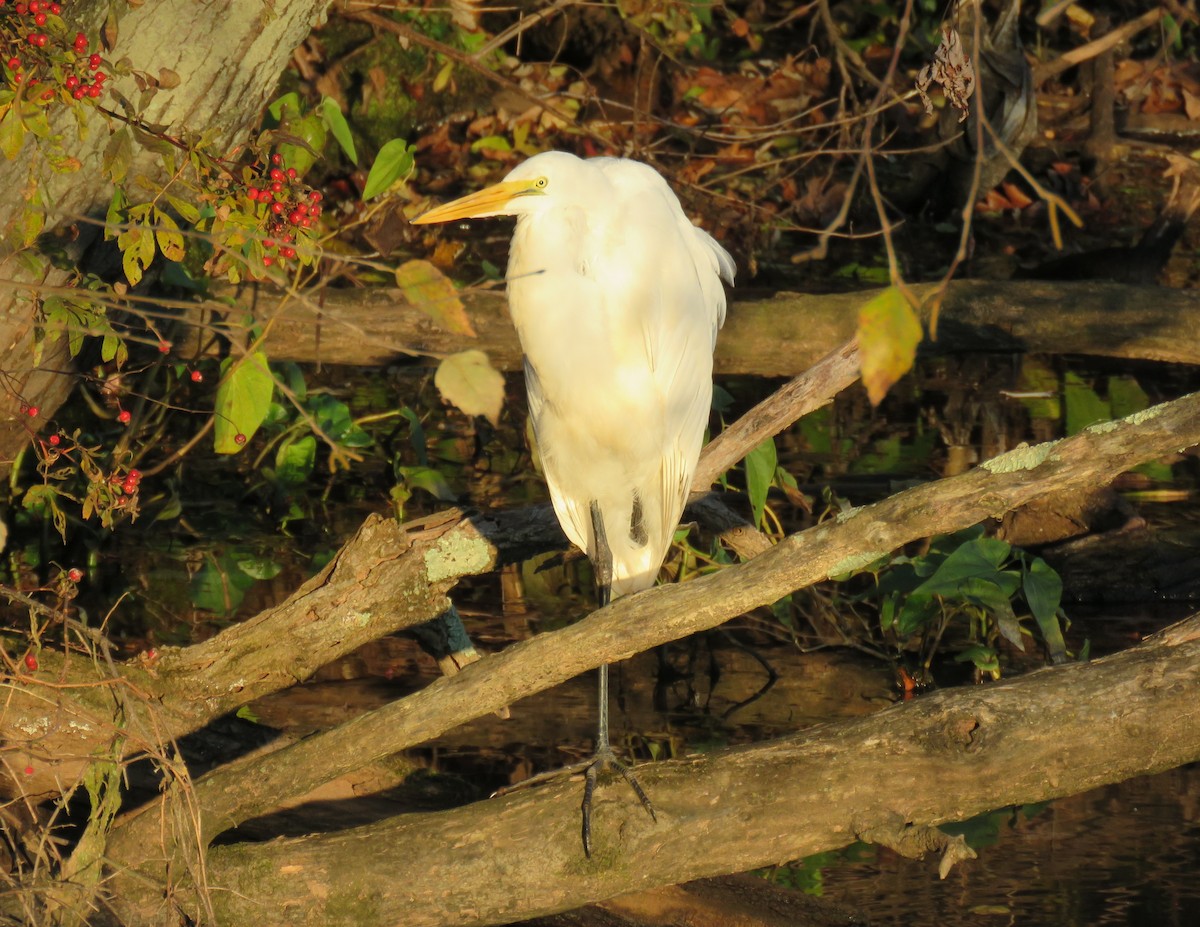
{"x":334,"y":418}
{"x":394,"y":161}
{"x":187,"y":211}
{"x":468,"y":380}
{"x":1126,"y":396}
{"x":295,"y":461}
{"x":243,"y":399}
{"x":760,"y":471}
{"x":1038,"y":377}
{"x":491,"y":143}
{"x":12,"y":132}
{"x":1084,"y":406}
{"x":219,"y":586}
{"x":339,"y":127}
{"x":977,"y":559}
{"x":118,"y":154}
{"x":428,"y":479}
{"x":888,"y":335}
{"x":1043,"y":593}
{"x":288,"y":103}
{"x":983,"y":657}
{"x":260,"y":567}
{"x":431,"y":291}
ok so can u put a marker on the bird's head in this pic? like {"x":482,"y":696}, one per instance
{"x":525,"y":189}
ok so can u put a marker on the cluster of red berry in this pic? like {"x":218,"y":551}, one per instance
{"x":288,"y":206}
{"x":129,"y":482}
{"x":21,"y":28}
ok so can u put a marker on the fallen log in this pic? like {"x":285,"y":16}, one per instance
{"x":887,"y":778}
{"x":778,"y":334}
{"x":251,"y":787}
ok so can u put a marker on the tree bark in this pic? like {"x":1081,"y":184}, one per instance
{"x":886,"y":778}
{"x":229,"y":55}
{"x":780,"y":334}
{"x":250,"y":787}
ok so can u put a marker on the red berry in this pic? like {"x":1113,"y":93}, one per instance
{"x":276,"y":174}
{"x":75,"y":574}
{"x":277,"y":158}
{"x":287,"y":252}
{"x":277,"y":186}
{"x":295,"y":216}
{"x":197,"y":376}
{"x":29,"y":770}
{"x":268,"y":260}
{"x":21,"y":9}
{"x":134,"y":475}
{"x":31,"y":662}
{"x":268,"y":243}
{"x":93,"y":91}
{"x":306,"y":223}
{"x":55,"y":8}
{"x":164,"y":347}
{"x":81,"y":41}
{"x":129,"y":487}
{"x":32,"y":411}
{"x":291,"y":173}
{"x":252,"y":192}
{"x":239,"y":439}
{"x":123,"y":416}
{"x":13,"y":63}
{"x":39,"y":19}
{"x":71,"y":82}
{"x":315,"y":196}
{"x":100,"y":77}
{"x":94,"y":61}
{"x":80,"y":92}
{"x":277,"y":208}
{"x":54,"y":440}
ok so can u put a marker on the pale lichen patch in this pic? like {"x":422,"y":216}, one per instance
{"x":846,"y":514}
{"x":456,"y":555}
{"x":1020,"y":458}
{"x":34,"y":727}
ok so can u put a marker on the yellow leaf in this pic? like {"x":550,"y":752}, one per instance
{"x":469,"y":380}
{"x":431,"y":291}
{"x":888,"y":335}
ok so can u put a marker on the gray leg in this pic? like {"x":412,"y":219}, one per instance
{"x":601,"y":557}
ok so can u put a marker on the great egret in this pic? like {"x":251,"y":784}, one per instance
{"x":617,"y":299}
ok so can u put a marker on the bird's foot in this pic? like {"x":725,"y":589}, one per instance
{"x":604,"y":758}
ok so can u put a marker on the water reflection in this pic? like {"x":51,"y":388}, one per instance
{"x":1125,"y":855}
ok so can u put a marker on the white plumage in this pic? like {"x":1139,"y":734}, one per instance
{"x":617,"y":299}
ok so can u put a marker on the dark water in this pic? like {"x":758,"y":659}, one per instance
{"x":1126,"y":855}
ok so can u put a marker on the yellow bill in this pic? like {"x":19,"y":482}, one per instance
{"x":491,"y":201}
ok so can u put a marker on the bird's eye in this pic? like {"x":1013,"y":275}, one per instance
{"x":541,"y":183}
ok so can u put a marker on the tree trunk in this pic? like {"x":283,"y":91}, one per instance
{"x":228,"y":55}
{"x":887,"y":778}
{"x":779,"y":334}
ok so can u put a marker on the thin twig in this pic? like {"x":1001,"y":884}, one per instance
{"x":1044,"y":72}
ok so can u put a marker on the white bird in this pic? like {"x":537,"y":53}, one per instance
{"x":617,"y":299}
